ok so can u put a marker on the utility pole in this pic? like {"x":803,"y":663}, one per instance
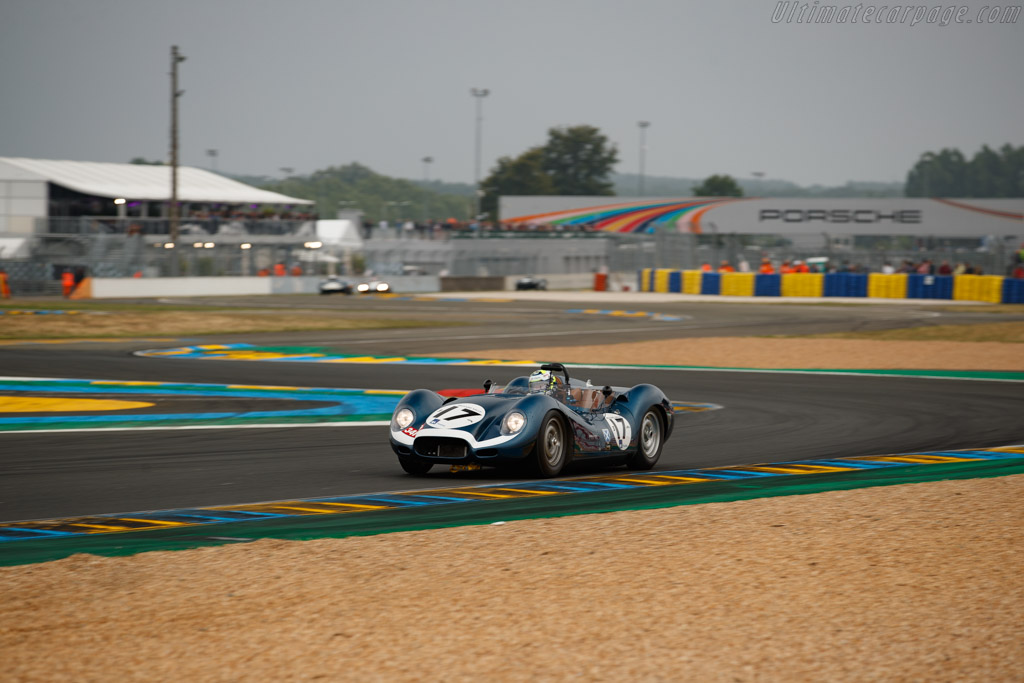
{"x":643,"y":151}
{"x":478,"y":94}
{"x":175,"y":94}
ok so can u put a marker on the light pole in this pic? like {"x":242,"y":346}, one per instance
{"x":426,"y":181}
{"x":174,"y":214}
{"x":643,"y":151}
{"x":478,"y":94}
{"x":212,"y":153}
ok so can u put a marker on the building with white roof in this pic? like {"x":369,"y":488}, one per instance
{"x":31,"y":189}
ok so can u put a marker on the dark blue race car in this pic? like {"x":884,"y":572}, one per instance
{"x":543,"y":421}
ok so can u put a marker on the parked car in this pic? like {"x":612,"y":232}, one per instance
{"x":530,"y":282}
{"x":544,"y":420}
{"x":335,"y":285}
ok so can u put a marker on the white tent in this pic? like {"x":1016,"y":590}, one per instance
{"x":342,"y":233}
{"x":139,"y":181}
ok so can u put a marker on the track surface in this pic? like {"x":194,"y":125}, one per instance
{"x":766,"y":417}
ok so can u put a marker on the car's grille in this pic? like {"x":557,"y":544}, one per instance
{"x":440,"y":447}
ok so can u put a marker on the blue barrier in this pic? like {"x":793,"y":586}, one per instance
{"x":711,"y":283}
{"x":675,"y":281}
{"x":846,"y":284}
{"x":767,"y":284}
{"x":1013,"y":291}
{"x":929,"y":286}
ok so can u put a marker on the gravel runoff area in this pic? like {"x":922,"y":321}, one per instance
{"x":917,"y":582}
{"x":912,"y":582}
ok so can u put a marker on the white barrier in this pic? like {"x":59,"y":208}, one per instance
{"x":127,"y":288}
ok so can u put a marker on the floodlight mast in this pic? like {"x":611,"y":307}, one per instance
{"x":174,"y":212}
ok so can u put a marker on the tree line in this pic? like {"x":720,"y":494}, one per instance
{"x":948,"y":173}
{"x":578,"y":160}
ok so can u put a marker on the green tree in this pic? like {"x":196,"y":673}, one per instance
{"x":579,"y":160}
{"x":355,"y":186}
{"x":989,"y":173}
{"x":522,"y":175}
{"x":142,"y":161}
{"x":718,"y":186}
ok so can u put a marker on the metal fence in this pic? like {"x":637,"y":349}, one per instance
{"x":45,"y":257}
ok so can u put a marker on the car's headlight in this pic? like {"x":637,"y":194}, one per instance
{"x":383,"y":287}
{"x":513,"y":422}
{"x":403,"y":418}
{"x":363,"y":287}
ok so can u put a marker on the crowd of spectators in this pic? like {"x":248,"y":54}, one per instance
{"x":923,"y":267}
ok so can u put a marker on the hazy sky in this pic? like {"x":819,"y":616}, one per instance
{"x":309,"y":84}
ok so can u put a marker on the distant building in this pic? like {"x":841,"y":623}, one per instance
{"x":32,"y":190}
{"x":839,"y":219}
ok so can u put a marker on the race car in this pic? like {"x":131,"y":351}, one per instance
{"x":335,"y":285}
{"x":373,"y":287}
{"x":530,"y":282}
{"x":543,"y":421}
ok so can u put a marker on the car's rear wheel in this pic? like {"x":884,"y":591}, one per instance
{"x":414,"y":465}
{"x":649,"y":441}
{"x":552,"y":450}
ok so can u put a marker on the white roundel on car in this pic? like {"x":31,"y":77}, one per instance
{"x":620,"y":431}
{"x":455,"y":416}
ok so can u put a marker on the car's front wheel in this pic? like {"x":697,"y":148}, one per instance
{"x":649,"y":442}
{"x":414,"y":465}
{"x":552,"y":450}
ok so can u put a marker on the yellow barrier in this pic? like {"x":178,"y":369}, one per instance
{"x":737,"y":284}
{"x":661,"y":280}
{"x":803,"y":284}
{"x":692,"y":280}
{"x":978,"y":288}
{"x":891,"y":286}
{"x":645,"y":279}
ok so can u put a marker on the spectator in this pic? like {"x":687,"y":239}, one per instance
{"x":926,"y":268}
{"x":766,"y":267}
{"x":67,"y":281}
{"x":945,"y":269}
{"x":1018,"y":271}
{"x":800,"y":267}
{"x":706,"y":267}
{"x":786,"y":268}
{"x":960,"y":269}
{"x":743,"y":266}
{"x":725,"y":267}
{"x":887,"y":268}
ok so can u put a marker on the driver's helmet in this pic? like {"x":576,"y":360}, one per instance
{"x":546,"y":382}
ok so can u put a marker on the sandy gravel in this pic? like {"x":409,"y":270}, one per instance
{"x":763,"y":352}
{"x":919,"y":582}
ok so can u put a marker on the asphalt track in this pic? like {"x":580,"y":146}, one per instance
{"x":766,"y":417}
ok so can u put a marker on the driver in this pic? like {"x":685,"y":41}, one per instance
{"x":546,"y":382}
